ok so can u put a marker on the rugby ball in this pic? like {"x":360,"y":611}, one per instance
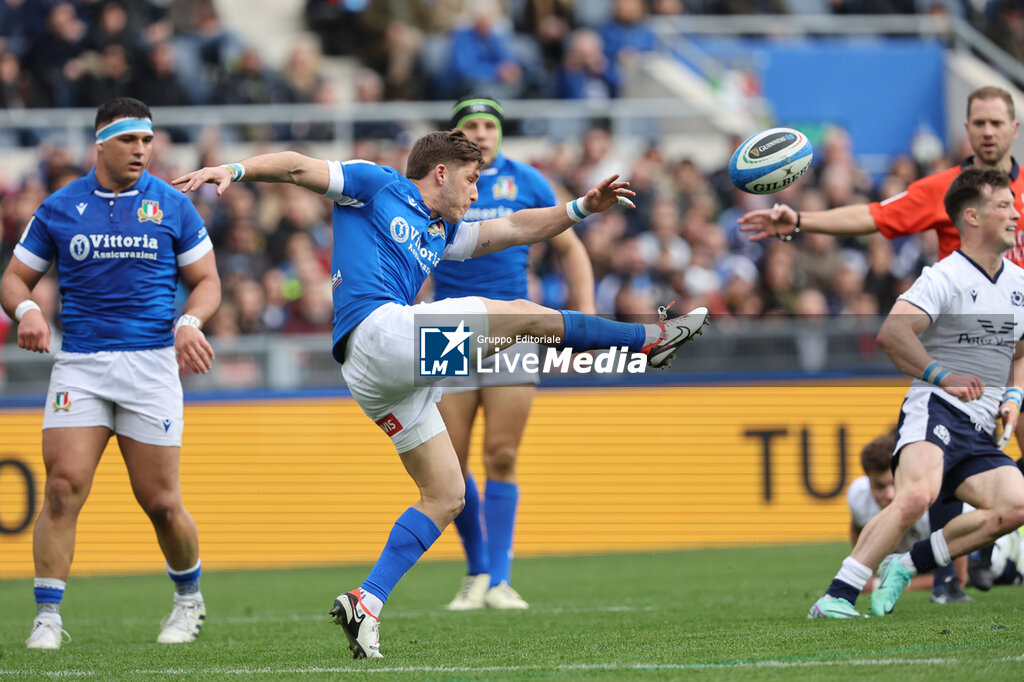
{"x":770,"y":160}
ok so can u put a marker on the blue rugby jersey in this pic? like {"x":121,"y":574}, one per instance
{"x":117,"y":258}
{"x":506,"y":186}
{"x":385,"y":243}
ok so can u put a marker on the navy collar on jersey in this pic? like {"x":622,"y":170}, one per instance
{"x":1014,"y":168}
{"x":141,"y":185}
{"x":1002,"y":266}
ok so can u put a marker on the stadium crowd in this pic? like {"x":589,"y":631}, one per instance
{"x":63,"y":53}
{"x":682,"y":243}
{"x":273,"y":242}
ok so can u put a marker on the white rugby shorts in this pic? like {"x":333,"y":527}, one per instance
{"x":134,"y":393}
{"x":380,"y":369}
{"x":517,"y":377}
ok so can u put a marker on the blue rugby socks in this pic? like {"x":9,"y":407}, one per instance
{"x":411,"y":536}
{"x":186,"y":582}
{"x":471,"y":530}
{"x":588,"y":332}
{"x":500,"y":501}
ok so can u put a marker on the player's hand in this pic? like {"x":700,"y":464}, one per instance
{"x":34,"y":332}
{"x":609,"y":192}
{"x":218,"y":175}
{"x":966,"y":387}
{"x":763,"y":223}
{"x":1009,"y":413}
{"x":193,"y":350}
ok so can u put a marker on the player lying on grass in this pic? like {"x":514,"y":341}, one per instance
{"x":964,"y":313}
{"x":390,"y":231}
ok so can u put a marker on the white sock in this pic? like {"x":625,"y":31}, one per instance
{"x":908,"y":563}
{"x":191,"y":596}
{"x":939,"y":548}
{"x":371,"y":603}
{"x":854,"y":573}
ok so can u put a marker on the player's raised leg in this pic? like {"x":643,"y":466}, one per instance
{"x":434,"y":467}
{"x":458,"y":409}
{"x":659,"y":341}
{"x":153,"y":471}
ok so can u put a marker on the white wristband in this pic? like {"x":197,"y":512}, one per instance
{"x":237,"y":171}
{"x":574,"y":209}
{"x":25,"y":306}
{"x":187,"y":321}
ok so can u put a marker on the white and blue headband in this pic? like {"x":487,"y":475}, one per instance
{"x":122,"y":126}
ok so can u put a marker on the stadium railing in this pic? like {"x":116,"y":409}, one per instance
{"x":732,"y":349}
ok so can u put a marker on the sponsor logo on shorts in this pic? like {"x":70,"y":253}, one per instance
{"x":62,"y":402}
{"x":444,"y":351}
{"x":390,"y":424}
{"x":167,"y":424}
{"x":942,"y":433}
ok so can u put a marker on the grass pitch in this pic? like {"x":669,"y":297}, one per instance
{"x":708,"y":615}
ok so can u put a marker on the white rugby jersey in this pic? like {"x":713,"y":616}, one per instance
{"x":976,"y":323}
{"x":863,"y":508}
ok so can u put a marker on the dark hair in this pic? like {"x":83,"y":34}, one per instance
{"x":440,"y":146}
{"x":876,"y":457}
{"x":476,"y":106}
{"x":968,"y":190}
{"x":991,"y":92}
{"x":121,"y":107}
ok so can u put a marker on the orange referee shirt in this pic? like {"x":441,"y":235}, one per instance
{"x":920,"y":208}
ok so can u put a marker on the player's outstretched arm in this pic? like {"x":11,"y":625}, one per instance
{"x":16,"y":297}
{"x":290,"y":167}
{"x":898,"y":337}
{"x":190,"y":344}
{"x":782,"y":220}
{"x":533,"y":225}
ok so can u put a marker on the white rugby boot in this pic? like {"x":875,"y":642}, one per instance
{"x":503,"y":597}
{"x":47,"y":632}
{"x":361,"y":627}
{"x":674,"y":333}
{"x":471,"y":593}
{"x":184,"y":623}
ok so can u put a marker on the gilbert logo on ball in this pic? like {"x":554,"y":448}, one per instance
{"x":770,"y":160}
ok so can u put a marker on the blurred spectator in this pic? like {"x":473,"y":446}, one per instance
{"x":112,"y":27}
{"x":54,"y":61}
{"x":549,"y":23}
{"x":585,"y":72}
{"x":158,"y":83}
{"x":625,"y":35}
{"x":481,"y":57}
{"x":1007,"y":31}
{"x":392,"y":36}
{"x":111,"y":77}
{"x":14,"y":84}
{"x":301,"y":72}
